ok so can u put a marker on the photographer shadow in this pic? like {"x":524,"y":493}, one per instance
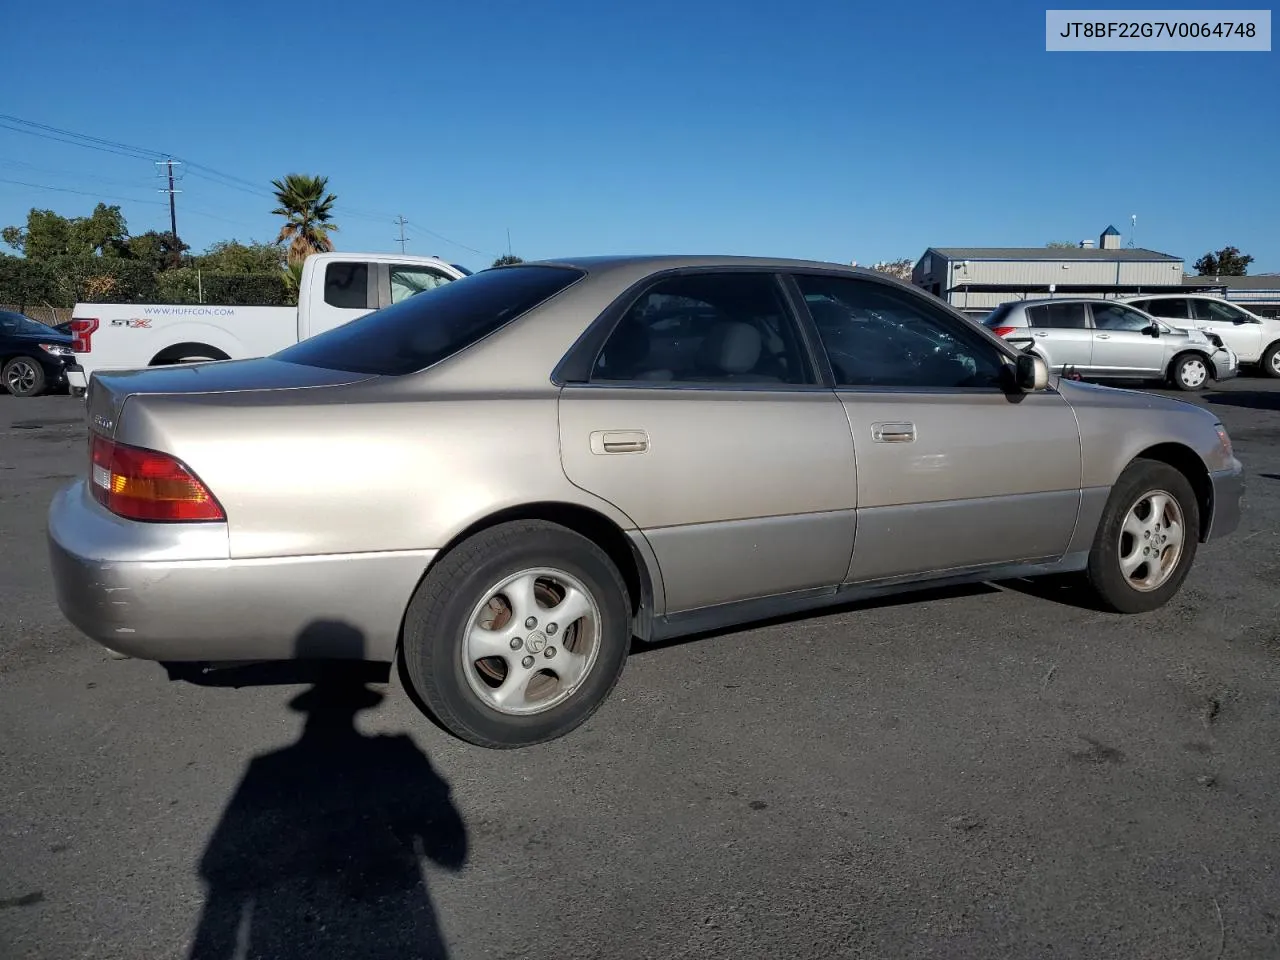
{"x":320,"y":851}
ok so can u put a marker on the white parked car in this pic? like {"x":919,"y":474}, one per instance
{"x":335,"y":289}
{"x":1255,"y":340}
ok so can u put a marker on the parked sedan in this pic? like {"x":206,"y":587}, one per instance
{"x":505,"y":482}
{"x":1103,"y":339}
{"x":1254,"y":339}
{"x":33,"y":357}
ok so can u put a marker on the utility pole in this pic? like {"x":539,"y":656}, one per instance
{"x":402,"y":238}
{"x":173,"y":212}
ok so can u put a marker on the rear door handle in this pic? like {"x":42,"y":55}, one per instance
{"x":619,"y":441}
{"x":1103,"y":336}
{"x":1042,"y":333}
{"x":893,"y":432}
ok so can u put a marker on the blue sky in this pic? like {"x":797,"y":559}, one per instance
{"x":834,"y":130}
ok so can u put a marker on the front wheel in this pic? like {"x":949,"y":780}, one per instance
{"x":1271,"y":360}
{"x":517,"y":635}
{"x":1147,"y":539}
{"x":1190,"y":372}
{"x":23,"y":377}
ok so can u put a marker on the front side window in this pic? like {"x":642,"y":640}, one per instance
{"x":730,"y":328}
{"x":409,"y":280}
{"x":346,"y":285}
{"x":1171,"y":308}
{"x":1059,"y":316}
{"x":1112,"y":316}
{"x":878,"y":336}
{"x":418,"y":332}
{"x":1211,"y":311}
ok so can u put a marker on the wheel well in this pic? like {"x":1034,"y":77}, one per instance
{"x":1173,"y":364}
{"x":180,"y":351}
{"x":1188,"y":463}
{"x":597,"y":528}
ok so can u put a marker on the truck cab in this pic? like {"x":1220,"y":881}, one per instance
{"x":339,"y":287}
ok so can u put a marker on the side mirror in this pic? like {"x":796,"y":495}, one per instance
{"x":1032,"y":373}
{"x":1152,"y":331}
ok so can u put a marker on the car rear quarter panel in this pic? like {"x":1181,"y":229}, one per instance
{"x":345,"y":472}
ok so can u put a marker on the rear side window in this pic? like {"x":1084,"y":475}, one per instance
{"x":347,"y":285}
{"x":1173,"y":308}
{"x":1059,"y":316}
{"x":423,"y":330}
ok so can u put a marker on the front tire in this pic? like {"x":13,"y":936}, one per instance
{"x":1271,"y":360}
{"x":1190,"y":372}
{"x":24,"y":377}
{"x":1147,"y":539}
{"x":517,"y":635}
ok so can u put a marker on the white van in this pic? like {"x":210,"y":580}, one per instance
{"x":335,"y":288}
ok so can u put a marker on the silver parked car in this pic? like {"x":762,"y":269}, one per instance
{"x":503,"y":481}
{"x":1254,"y":339}
{"x":1104,"y":339}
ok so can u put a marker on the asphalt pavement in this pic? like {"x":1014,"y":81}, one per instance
{"x":990,"y":772}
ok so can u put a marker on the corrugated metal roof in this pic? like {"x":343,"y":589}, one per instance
{"x":1052,"y":253}
{"x":1260,"y":282}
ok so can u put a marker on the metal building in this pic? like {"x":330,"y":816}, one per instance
{"x":975,"y":280}
{"x":1260,"y":295}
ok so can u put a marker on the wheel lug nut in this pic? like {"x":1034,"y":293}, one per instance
{"x":552,"y":628}
{"x":1146,"y":535}
{"x":551,"y":652}
{"x":527,"y":662}
{"x":516,"y":643}
{"x":530,"y":623}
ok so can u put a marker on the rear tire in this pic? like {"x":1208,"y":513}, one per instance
{"x":23,"y":377}
{"x":486,"y":656}
{"x":1190,"y":372}
{"x":1151,"y":503}
{"x":1271,"y":360}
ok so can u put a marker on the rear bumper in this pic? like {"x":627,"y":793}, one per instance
{"x":171,"y":592}
{"x":76,"y":378}
{"x":1228,"y":502}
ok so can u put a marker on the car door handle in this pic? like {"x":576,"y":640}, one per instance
{"x":1103,"y":336}
{"x":1042,"y":333}
{"x":619,"y":441}
{"x":893,"y":432}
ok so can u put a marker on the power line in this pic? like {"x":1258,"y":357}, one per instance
{"x":227,"y":180}
{"x":403,"y":239}
{"x":83,"y":193}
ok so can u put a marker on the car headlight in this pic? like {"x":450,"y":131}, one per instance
{"x":57,"y":349}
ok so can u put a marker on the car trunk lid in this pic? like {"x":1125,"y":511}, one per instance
{"x":108,"y":391}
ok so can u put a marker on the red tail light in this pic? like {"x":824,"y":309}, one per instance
{"x":1003,"y":331}
{"x":82,"y":335}
{"x":145,"y":485}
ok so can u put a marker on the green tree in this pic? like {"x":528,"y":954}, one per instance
{"x":1227,"y":262}
{"x":234,"y":257}
{"x":48,"y":234}
{"x":308,"y":212}
{"x":163,"y":251}
{"x":1061,"y":245}
{"x":506,"y":260}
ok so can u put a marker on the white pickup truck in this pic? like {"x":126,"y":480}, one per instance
{"x":335,"y":288}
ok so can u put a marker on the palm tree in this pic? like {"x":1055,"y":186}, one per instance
{"x":307,"y":210}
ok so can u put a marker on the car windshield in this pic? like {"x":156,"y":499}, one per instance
{"x":425,"y":329}
{"x":16,"y":323}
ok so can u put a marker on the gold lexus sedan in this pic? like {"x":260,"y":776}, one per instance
{"x":500,"y":483}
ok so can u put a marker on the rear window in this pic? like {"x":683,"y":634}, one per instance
{"x":999,"y":313}
{"x":427,"y":328}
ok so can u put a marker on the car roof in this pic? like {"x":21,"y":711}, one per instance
{"x":650,"y":263}
{"x":1040,"y":300}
